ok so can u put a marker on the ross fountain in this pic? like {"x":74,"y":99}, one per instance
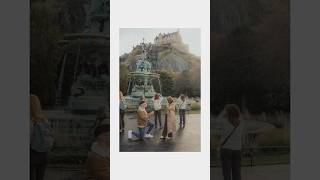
{"x":84,"y":76}
{"x":142,"y":81}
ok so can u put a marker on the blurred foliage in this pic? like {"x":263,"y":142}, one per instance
{"x":167,"y":82}
{"x":183,"y":84}
{"x":195,"y":106}
{"x":44,"y":53}
{"x":274,"y":137}
{"x":250,"y":65}
{"x":124,"y":78}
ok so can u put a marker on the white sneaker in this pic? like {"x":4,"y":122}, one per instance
{"x":148,"y":136}
{"x":129,"y":134}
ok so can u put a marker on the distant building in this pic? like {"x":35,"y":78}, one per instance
{"x":171,"y":39}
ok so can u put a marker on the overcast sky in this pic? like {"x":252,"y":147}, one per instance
{"x":134,"y":36}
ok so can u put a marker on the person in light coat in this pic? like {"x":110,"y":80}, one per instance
{"x":170,"y":122}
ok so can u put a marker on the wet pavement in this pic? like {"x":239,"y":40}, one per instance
{"x":272,"y":172}
{"x":186,"y":139}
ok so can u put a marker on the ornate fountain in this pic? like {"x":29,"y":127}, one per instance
{"x":89,"y":52}
{"x":83,"y":84}
{"x":142,"y":81}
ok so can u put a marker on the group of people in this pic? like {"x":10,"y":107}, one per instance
{"x":144,"y":124}
{"x":41,"y":143}
{"x":98,"y":160}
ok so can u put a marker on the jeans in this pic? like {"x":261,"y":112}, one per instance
{"x":157,"y":116}
{"x":121,"y":119}
{"x":231,"y":164}
{"x":182,"y":114}
{"x":141,"y":131}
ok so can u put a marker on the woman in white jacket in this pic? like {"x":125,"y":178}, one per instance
{"x":231,"y":136}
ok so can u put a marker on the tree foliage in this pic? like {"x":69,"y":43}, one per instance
{"x":167,"y":82}
{"x":124,"y":78}
{"x":44,"y":53}
{"x":250,"y":65}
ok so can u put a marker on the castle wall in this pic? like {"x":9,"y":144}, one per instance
{"x":172,"y":39}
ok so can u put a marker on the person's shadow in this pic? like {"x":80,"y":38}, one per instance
{"x":180,"y":131}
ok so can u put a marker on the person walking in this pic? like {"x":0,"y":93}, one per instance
{"x":41,"y":140}
{"x":231,"y":136}
{"x":170,"y":120}
{"x":182,"y":105}
{"x":157,"y":109}
{"x":123,"y":107}
{"x":143,"y":123}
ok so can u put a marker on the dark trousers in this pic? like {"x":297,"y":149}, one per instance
{"x":121,"y":119}
{"x":165,"y":129}
{"x":38,"y":164}
{"x":157,"y":116}
{"x":182,"y":114}
{"x":231,"y":164}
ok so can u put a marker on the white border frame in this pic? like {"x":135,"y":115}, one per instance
{"x":160,"y":14}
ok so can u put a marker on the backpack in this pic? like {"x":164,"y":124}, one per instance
{"x":42,"y":137}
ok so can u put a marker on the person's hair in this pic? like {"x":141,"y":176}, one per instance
{"x":35,"y":109}
{"x":233,"y":114}
{"x":156,"y":96}
{"x":101,"y":129}
{"x":142,"y":98}
{"x":170,"y":99}
{"x":183,"y":97}
{"x":141,"y":102}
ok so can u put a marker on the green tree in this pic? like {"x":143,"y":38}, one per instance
{"x":44,"y":53}
{"x":124,"y":72}
{"x":166,"y":81}
{"x":184,"y":84}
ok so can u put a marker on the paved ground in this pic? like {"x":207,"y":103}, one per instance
{"x":64,"y":174}
{"x":187,"y":139}
{"x":272,"y":172}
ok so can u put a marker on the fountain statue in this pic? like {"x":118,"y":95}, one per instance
{"x":83,"y":82}
{"x":142,"y":81}
{"x":90,"y":53}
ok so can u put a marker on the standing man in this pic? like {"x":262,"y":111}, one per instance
{"x":182,"y":105}
{"x":157,"y":109}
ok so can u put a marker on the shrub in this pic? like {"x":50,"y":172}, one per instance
{"x":195,"y":106}
{"x":274,"y":137}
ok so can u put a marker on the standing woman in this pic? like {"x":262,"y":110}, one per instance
{"x":157,"y":109}
{"x":170,"y":122}
{"x":39,"y":142}
{"x":231,"y":136}
{"x":123,"y":107}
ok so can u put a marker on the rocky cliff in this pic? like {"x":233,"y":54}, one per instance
{"x":163,"y":58}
